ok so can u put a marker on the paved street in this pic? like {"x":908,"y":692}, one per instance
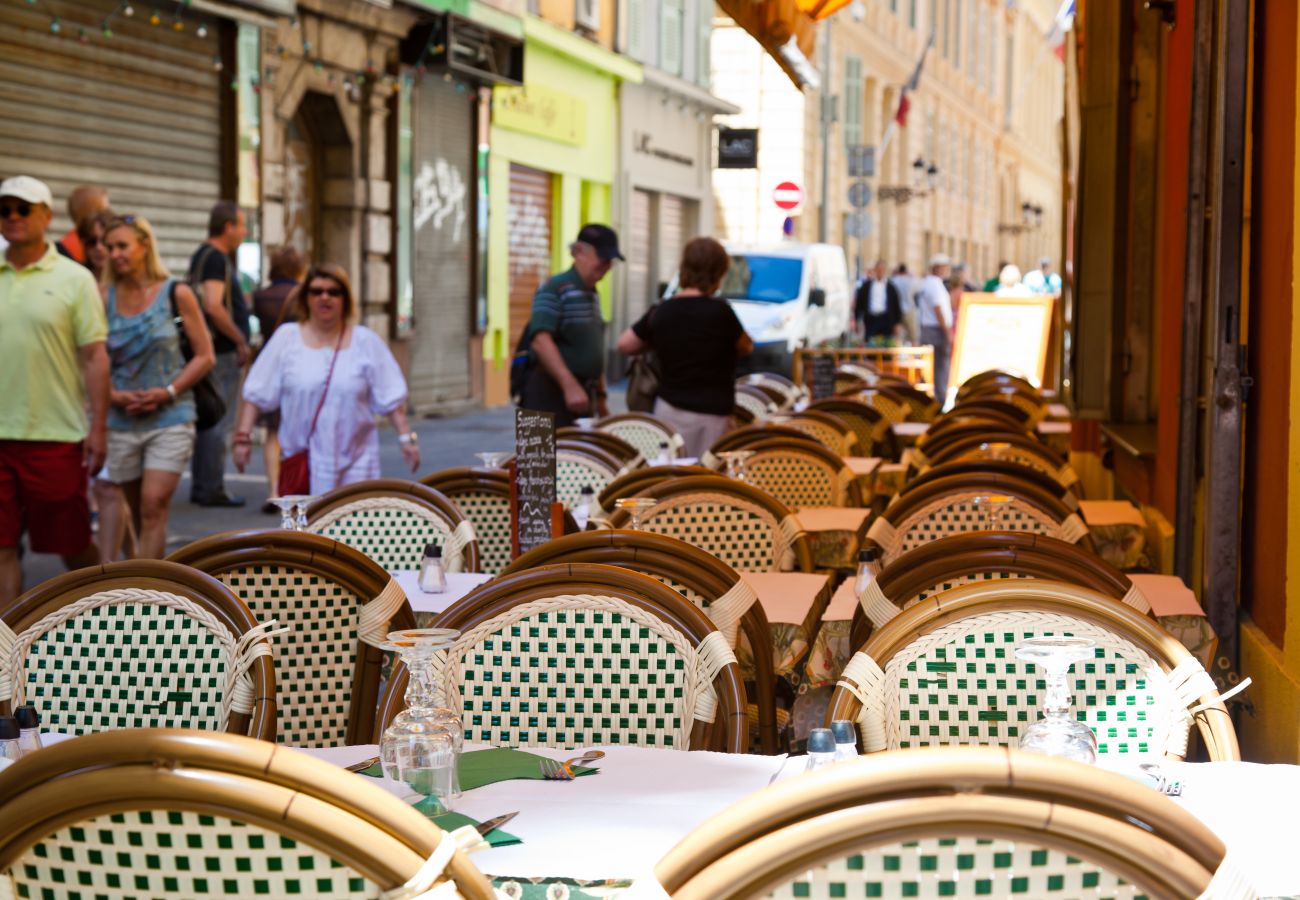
{"x":444,"y":442}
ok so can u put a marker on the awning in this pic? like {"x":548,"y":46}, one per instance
{"x":820,"y":9}
{"x":786,"y":31}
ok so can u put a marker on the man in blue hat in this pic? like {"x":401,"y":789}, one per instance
{"x":566,"y":334}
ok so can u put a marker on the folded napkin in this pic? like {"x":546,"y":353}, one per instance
{"x":451,"y":821}
{"x":480,"y":767}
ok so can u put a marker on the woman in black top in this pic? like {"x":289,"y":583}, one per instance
{"x":697,"y":338}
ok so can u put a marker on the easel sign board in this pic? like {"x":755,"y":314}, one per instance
{"x":1011,"y":333}
{"x":532,"y":489}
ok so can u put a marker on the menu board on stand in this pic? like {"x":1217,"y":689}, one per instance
{"x":823,"y":376}
{"x":532,"y":480}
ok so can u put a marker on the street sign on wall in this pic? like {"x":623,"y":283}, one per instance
{"x":787,"y":195}
{"x":859,"y":194}
{"x":738,"y":148}
{"x":862,"y":161}
{"x":858,"y":225}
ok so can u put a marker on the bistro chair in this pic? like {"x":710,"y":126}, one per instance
{"x":742,"y":416}
{"x":828,"y":430}
{"x":706,"y":581}
{"x":745,"y":527}
{"x":391,"y":521}
{"x":632,"y":483}
{"x":985,"y":556}
{"x":336,"y":606}
{"x":891,"y":407}
{"x":579,"y":655}
{"x":934,"y":447}
{"x":175,"y":813}
{"x":743,"y":437}
{"x":644,"y":432}
{"x":138,"y":644}
{"x":996,"y":469}
{"x":483,"y":495}
{"x":945,"y":672}
{"x":868,"y":423}
{"x":969,"y":422}
{"x":626,"y":455}
{"x":962,"y":822}
{"x":784,"y":392}
{"x":960,"y":503}
{"x":1021,"y":449}
{"x":855,"y":376}
{"x":755,"y":401}
{"x":579,"y":465}
{"x":801,"y":473}
{"x":994,"y":378}
{"x":996,"y":405}
{"x":922,"y":407}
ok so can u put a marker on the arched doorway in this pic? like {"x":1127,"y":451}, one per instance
{"x":318,"y":150}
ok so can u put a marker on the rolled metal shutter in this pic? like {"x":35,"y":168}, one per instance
{"x":529,"y":243}
{"x":442,"y":259}
{"x":671,"y":226}
{"x":138,"y":113}
{"x":640,"y":288}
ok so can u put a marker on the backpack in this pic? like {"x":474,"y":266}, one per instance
{"x":524,"y":360}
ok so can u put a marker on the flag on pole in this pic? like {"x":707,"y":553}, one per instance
{"x":1061,"y":25}
{"x":905,"y":97}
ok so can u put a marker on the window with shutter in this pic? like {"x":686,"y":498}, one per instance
{"x":704,"y":14}
{"x":670,"y":37}
{"x":634,"y":33}
{"x":956,"y":38}
{"x":853,"y":102}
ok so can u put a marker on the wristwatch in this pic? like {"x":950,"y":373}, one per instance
{"x":408,"y":438}
{"x":171,"y":392}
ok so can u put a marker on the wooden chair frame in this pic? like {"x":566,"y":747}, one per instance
{"x":407,"y":491}
{"x":1051,"y":597}
{"x":346,"y":566}
{"x":759,"y":399}
{"x":995,"y":405}
{"x":632,"y":483}
{"x":730,"y":726}
{"x":995,"y":376}
{"x":742,"y":437}
{"x":872,"y":428}
{"x":196,"y":587}
{"x":994,"y":471}
{"x":611,"y":424}
{"x":923,"y":407}
{"x":970,"y":449}
{"x":258,"y":783}
{"x":747,"y":494}
{"x":623,"y":452}
{"x":784,"y":392}
{"x":833,"y":462}
{"x":701,"y":573}
{"x":816,"y":420}
{"x":1084,"y":812}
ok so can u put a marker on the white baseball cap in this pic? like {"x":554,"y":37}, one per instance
{"x":25,"y":187}
{"x":940,"y":259}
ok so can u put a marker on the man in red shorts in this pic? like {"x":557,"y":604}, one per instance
{"x":52,"y":361}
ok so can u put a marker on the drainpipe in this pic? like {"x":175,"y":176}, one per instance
{"x":827,"y":100}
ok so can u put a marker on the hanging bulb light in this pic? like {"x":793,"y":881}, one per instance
{"x":128,"y":10}
{"x":55,"y":25}
{"x":154,"y":18}
{"x":217,"y":64}
{"x":202,"y":31}
{"x":105,"y":30}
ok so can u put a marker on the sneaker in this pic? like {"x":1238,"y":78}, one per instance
{"x":222,"y":499}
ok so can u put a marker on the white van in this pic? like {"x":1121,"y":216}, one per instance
{"x":789,"y":296}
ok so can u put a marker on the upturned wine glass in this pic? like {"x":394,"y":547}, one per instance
{"x":421,"y":747}
{"x":1057,"y":733}
{"x":493,"y":460}
{"x":637,"y":507}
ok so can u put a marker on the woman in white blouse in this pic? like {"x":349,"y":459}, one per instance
{"x":290,"y":375}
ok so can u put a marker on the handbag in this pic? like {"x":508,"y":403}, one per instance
{"x":295,"y":470}
{"x":209,"y":405}
{"x":643,"y":377}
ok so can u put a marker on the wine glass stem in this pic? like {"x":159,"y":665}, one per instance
{"x":1058,"y":698}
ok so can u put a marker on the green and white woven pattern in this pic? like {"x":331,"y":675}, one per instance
{"x":742,"y":534}
{"x":490,"y":514}
{"x":842,"y":442}
{"x":582,"y":670}
{"x":573,"y":471}
{"x":393,"y":532}
{"x":129,"y":658}
{"x":1019,"y":455}
{"x":167,"y":853}
{"x":759,"y":407}
{"x":880,"y":609}
{"x":962,"y":684}
{"x":959,"y":513}
{"x":645,"y":437}
{"x":316,"y":660}
{"x":798,"y":479}
{"x":958,"y":867}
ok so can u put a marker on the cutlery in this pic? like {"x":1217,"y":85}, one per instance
{"x":553,"y":770}
{"x":364,"y":764}
{"x":493,"y":824}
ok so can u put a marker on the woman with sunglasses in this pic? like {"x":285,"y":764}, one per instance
{"x":151,"y":413}
{"x":329,"y":378}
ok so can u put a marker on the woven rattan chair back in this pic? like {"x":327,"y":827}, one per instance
{"x":624,"y":453}
{"x":996,"y":469}
{"x":755,"y":401}
{"x":483,"y":495}
{"x":867,"y":422}
{"x":945,"y":672}
{"x":937,"y":444}
{"x":137,"y":644}
{"x":742,"y":437}
{"x":993,"y":378}
{"x":747,"y":528}
{"x":1031,"y":403}
{"x":829,"y":431}
{"x":579,"y":465}
{"x":985,"y":556}
{"x":800,"y":474}
{"x":784,"y":392}
{"x":997,"y":405}
{"x":336,"y":604}
{"x":644,"y":432}
{"x":953,"y":505}
{"x":581,"y":654}
{"x":391,"y":521}
{"x":965,"y":424}
{"x":1020,"y":449}
{"x":922,"y":407}
{"x":701,"y":578}
{"x":962,"y":822}
{"x":170,"y":813}
{"x":634,"y":482}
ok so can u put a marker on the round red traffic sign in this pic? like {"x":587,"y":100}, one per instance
{"x":787,"y":195}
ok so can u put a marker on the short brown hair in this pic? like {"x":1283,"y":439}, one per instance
{"x":704,"y":263}
{"x":287,"y":262}
{"x":323,"y":270}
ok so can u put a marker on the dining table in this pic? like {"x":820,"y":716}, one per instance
{"x":1119,"y":531}
{"x":427,"y":606}
{"x":836,"y":534}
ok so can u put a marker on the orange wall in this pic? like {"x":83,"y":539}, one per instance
{"x":1265,"y":462}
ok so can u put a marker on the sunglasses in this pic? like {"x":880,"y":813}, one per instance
{"x":22,"y":207}
{"x":324,"y":291}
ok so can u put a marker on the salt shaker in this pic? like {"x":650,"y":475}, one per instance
{"x":9,"y":732}
{"x":821,"y":748}
{"x":433,"y":578}
{"x":846,"y":739}
{"x":29,"y":728}
{"x":582,"y":509}
{"x":868,"y":569}
{"x":663,"y":459}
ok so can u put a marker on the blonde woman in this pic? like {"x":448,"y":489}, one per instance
{"x":151,"y":413}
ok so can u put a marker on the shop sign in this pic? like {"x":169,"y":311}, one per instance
{"x":541,"y":111}
{"x":738,"y":148}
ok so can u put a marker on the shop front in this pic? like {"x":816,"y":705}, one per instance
{"x":552,"y":167}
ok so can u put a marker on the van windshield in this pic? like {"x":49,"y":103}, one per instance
{"x":765,"y":279}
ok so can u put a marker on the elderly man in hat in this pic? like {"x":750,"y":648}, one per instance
{"x":52,"y":361}
{"x":566,"y":334}
{"x":1043,"y":280}
{"x":934,"y":311}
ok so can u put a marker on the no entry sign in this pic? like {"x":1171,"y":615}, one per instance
{"x":788,"y":195}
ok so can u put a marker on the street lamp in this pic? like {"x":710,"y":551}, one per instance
{"x":924,"y":174}
{"x":1031,"y":219}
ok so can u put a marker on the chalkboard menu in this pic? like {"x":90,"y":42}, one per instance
{"x":534,"y":481}
{"x":823,"y":376}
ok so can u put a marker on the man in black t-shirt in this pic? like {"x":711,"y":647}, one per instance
{"x":216,"y":284}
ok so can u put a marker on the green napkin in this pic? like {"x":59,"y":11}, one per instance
{"x":453,"y":820}
{"x":374,"y":770}
{"x":480,"y":767}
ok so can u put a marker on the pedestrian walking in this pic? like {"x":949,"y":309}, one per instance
{"x":1009,"y":283}
{"x":84,"y":202}
{"x":906,"y":287}
{"x":1043,"y":280}
{"x":878,"y":306}
{"x":329,"y":378}
{"x":272,"y":305}
{"x":698,"y":338}
{"x":52,"y":364}
{"x":961,"y":273}
{"x":216,"y":283}
{"x":992,"y":284}
{"x":152,"y":414}
{"x":934,"y":313}
{"x":566,"y":333}
{"x":90,"y":233}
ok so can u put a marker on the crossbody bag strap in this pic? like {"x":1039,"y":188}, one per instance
{"x":227,"y":299}
{"x":338,"y":345}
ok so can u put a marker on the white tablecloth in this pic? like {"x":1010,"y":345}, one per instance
{"x":613,"y":825}
{"x":458,"y":585}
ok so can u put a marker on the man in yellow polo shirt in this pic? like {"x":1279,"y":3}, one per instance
{"x":52,"y":361}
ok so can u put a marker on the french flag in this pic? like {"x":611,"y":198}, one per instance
{"x":905,"y":98}
{"x":1061,"y":25}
